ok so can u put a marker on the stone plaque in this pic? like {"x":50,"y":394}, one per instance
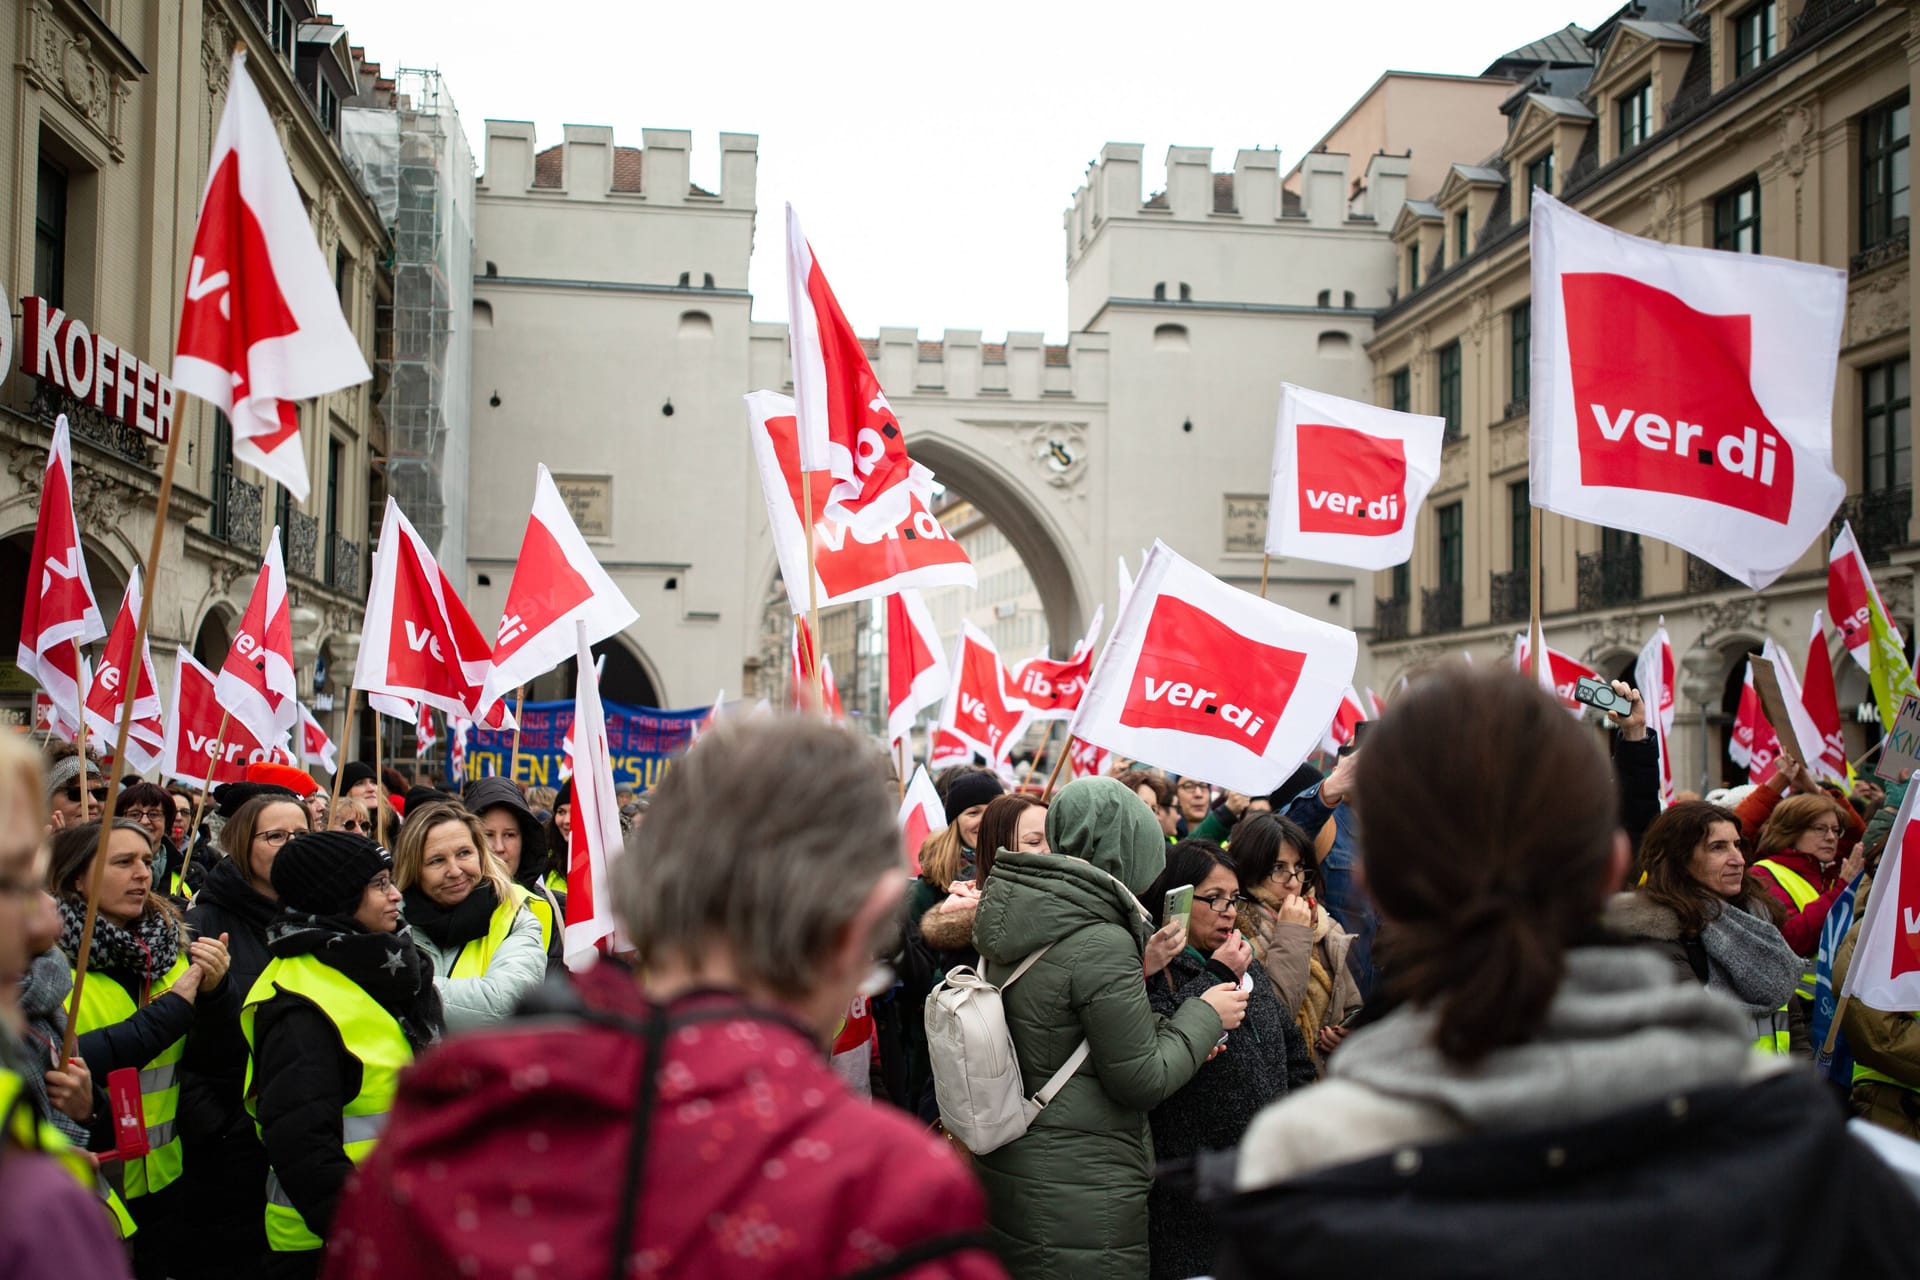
{"x":1245,"y":522}
{"x":589,"y":500}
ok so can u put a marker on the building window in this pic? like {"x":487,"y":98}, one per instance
{"x":222,"y":474}
{"x":1520,"y":526}
{"x":327,"y":103}
{"x":50,"y":233}
{"x":1540,"y":174}
{"x":1635,"y":113}
{"x":1886,"y":402}
{"x":1325,"y":299}
{"x":1451,"y":526}
{"x":1413,"y":267}
{"x":1460,"y":236}
{"x":1519,"y":356}
{"x":1402,"y":581}
{"x":280,"y":23}
{"x":1447,"y":371}
{"x":331,"y":514}
{"x":1736,"y":219}
{"x":1753,"y":38}
{"x":1883,"y":173}
{"x":1401,"y":385}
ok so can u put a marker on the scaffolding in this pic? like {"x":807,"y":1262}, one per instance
{"x":414,"y":163}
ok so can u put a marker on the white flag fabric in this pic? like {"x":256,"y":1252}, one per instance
{"x":1653,"y":675}
{"x":256,"y":682}
{"x":1204,"y":679}
{"x":1558,"y":675}
{"x":60,"y":610}
{"x":593,"y":840}
{"x":557,"y":581}
{"x":1682,"y":393}
{"x":1808,"y":742}
{"x":917,"y":674}
{"x":1348,"y":479}
{"x":315,"y":746}
{"x":1885,"y":974}
{"x":1849,"y":589}
{"x":921,"y":815}
{"x":261,"y":325}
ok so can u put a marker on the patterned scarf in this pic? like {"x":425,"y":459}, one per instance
{"x":143,"y":953}
{"x":387,"y":966}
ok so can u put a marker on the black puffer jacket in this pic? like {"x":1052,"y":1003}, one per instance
{"x":536,"y":858}
{"x":214,"y":1068}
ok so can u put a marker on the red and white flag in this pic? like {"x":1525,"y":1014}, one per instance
{"x":315,"y":746}
{"x":60,"y":610}
{"x":593,"y":839}
{"x":1350,"y":712}
{"x":424,"y":734}
{"x":981,"y":706}
{"x":256,"y":681}
{"x":1885,"y":973}
{"x":1822,"y":703}
{"x":556,"y":582}
{"x":1377,"y":705}
{"x":418,"y":642}
{"x":1348,"y":479}
{"x":107,"y":689}
{"x":917,"y":675}
{"x":801,"y":686}
{"x":1754,"y":746}
{"x":1654,"y":674}
{"x":1089,"y":760}
{"x":1849,"y":587}
{"x":847,"y":428}
{"x":1558,"y":676}
{"x":458,"y":727}
{"x":1682,"y":393}
{"x":1054,"y":689}
{"x":1802,"y":736}
{"x":261,"y":325}
{"x":849,"y":563}
{"x":921,"y":815}
{"x":1205,"y":679}
{"x":194,"y":748}
{"x":945,"y":748}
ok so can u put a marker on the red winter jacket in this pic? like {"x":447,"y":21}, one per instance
{"x":507,"y":1154}
{"x":1802,"y":928}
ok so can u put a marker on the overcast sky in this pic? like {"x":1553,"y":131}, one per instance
{"x":931,"y":150}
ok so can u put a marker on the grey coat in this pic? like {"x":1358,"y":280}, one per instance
{"x":514,"y":973}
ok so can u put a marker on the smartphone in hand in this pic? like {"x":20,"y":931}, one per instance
{"x":1178,"y":906}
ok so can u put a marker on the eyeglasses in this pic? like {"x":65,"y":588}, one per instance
{"x":1282,"y":871}
{"x":276,"y":838}
{"x":1192,"y":786}
{"x":1221,"y":905}
{"x":382,"y":884}
{"x":1828,"y":830}
{"x":147,"y":815}
{"x":354,"y":824}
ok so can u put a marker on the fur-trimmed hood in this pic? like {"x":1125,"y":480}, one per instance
{"x":949,"y":930}
{"x":1634,"y":915}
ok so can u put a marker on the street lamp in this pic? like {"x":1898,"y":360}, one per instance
{"x":1703,"y":683}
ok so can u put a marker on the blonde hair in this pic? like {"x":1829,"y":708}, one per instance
{"x":941,"y":857}
{"x":24,"y":764}
{"x":410,"y":851}
{"x":347,"y":807}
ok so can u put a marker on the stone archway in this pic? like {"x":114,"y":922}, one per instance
{"x":104,"y":574}
{"x":213,"y":639}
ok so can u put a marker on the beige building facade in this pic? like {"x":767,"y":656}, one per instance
{"x":1778,"y":128}
{"x":105,"y":137}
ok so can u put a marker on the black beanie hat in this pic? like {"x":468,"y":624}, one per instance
{"x":229,"y":796}
{"x":422,"y":797}
{"x":356,"y":772}
{"x":326,"y":872}
{"x":969,"y":790}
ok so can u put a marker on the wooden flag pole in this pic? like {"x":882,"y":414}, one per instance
{"x":813,"y":596}
{"x":346,"y":748}
{"x":199,"y":804}
{"x":80,"y":730}
{"x":379,"y":779}
{"x":1265,"y":560}
{"x":519,"y":701}
{"x":1065,"y":752}
{"x":1046,"y":740}
{"x":1536,"y":637}
{"x":162,"y":500}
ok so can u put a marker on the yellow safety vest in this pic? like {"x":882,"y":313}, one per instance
{"x":27,"y":1130}
{"x":104,"y":1002}
{"x":369,"y":1034}
{"x":557,"y":880}
{"x":475,"y":956}
{"x":1861,"y":1073}
{"x":1802,"y":891}
{"x":542,"y":908}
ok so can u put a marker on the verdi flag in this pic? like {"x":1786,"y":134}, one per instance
{"x":60,"y":611}
{"x":981,"y":707}
{"x":1849,"y":587}
{"x":256,"y":683}
{"x":921,"y":815}
{"x":917,"y":675}
{"x":1348,"y":479}
{"x":1885,"y":973}
{"x":1653,"y":672}
{"x":593,"y":837}
{"x":1822,"y":704}
{"x":1053,"y":689}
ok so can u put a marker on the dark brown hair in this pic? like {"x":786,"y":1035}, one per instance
{"x":999,"y":828}
{"x":236,"y":838}
{"x":1134,"y":779}
{"x":73,"y":849}
{"x":1490,"y":820}
{"x":1666,"y":856}
{"x":1255,"y":848}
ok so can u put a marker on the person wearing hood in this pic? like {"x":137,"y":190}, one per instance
{"x":341,"y":1008}
{"x":482,"y":943}
{"x":554,"y":832}
{"x":515,"y":837}
{"x":1068,"y":1198}
{"x":226,"y":1165}
{"x":1541,"y":1100}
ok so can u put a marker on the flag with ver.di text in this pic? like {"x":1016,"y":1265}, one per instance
{"x":1348,"y":479}
{"x":60,"y":611}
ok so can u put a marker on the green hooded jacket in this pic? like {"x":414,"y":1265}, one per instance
{"x":1069,"y":1197}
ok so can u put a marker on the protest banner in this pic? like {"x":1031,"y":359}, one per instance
{"x":642,"y":742}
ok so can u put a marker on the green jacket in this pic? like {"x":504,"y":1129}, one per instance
{"x":1069,"y":1198}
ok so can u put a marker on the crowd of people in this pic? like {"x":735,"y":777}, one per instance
{"x":1470,"y":1002}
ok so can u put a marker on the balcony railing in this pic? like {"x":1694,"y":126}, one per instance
{"x":343,"y":565}
{"x":88,"y":423}
{"x":1389,"y":619}
{"x":237,"y":520}
{"x":1440,"y":608}
{"x":303,"y":544}
{"x":1509,"y":591}
{"x":1879,"y":518}
{"x":1890,"y":250}
{"x":1703,"y":577}
{"x":1608,"y":578}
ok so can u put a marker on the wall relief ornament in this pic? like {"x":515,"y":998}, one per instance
{"x":1740,"y":613}
{"x":1879,"y":306}
{"x":1058,"y":452}
{"x":65,"y":63}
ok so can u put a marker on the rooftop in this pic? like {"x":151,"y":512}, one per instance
{"x":626,"y":170}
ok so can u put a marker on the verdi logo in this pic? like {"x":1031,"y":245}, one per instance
{"x":1665,"y":398}
{"x":1198,"y":675}
{"x":1350,"y":482}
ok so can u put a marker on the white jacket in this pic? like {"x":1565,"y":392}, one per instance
{"x":516,"y":969}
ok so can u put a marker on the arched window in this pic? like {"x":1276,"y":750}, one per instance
{"x":696,"y":324}
{"x":1171,"y":337}
{"x":1346,"y":299}
{"x":1334,"y":343}
{"x":482,"y":314}
{"x":1160,"y":292}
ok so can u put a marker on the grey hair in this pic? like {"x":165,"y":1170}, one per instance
{"x":764,"y":839}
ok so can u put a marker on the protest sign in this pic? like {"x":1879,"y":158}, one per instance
{"x":642,"y":742}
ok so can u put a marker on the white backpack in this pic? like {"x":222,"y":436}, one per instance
{"x":976,"y":1071}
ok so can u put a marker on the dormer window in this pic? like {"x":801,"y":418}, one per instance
{"x":1413,"y":267}
{"x":1540,"y":174}
{"x":1634,"y":112}
{"x":1460,"y":236}
{"x":1754,"y":39}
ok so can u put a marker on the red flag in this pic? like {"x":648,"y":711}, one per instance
{"x":1053,"y":689}
{"x":846,"y":426}
{"x":417,"y":640}
{"x":1559,"y":676}
{"x":60,"y":610}
{"x":315,"y":746}
{"x":593,"y":838}
{"x":981,"y":707}
{"x":1349,"y":713}
{"x":256,"y":682}
{"x":917,"y":675}
{"x":193,"y":742}
{"x":556,"y":582}
{"x":802,"y":684}
{"x":261,"y":324}
{"x":1654,"y":673}
{"x":424,"y":736}
{"x":1088,"y":760}
{"x":921,"y":815}
{"x":107,"y":690}
{"x":947,"y":749}
{"x":1822,"y":703}
{"x":1849,"y":586}
{"x":1754,"y":744}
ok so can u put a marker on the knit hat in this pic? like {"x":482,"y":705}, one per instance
{"x":326,"y":872}
{"x":64,"y":771}
{"x":298,"y":781}
{"x":969,"y":790}
{"x":422,"y":797}
{"x":356,"y":772}
{"x":229,"y":796}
